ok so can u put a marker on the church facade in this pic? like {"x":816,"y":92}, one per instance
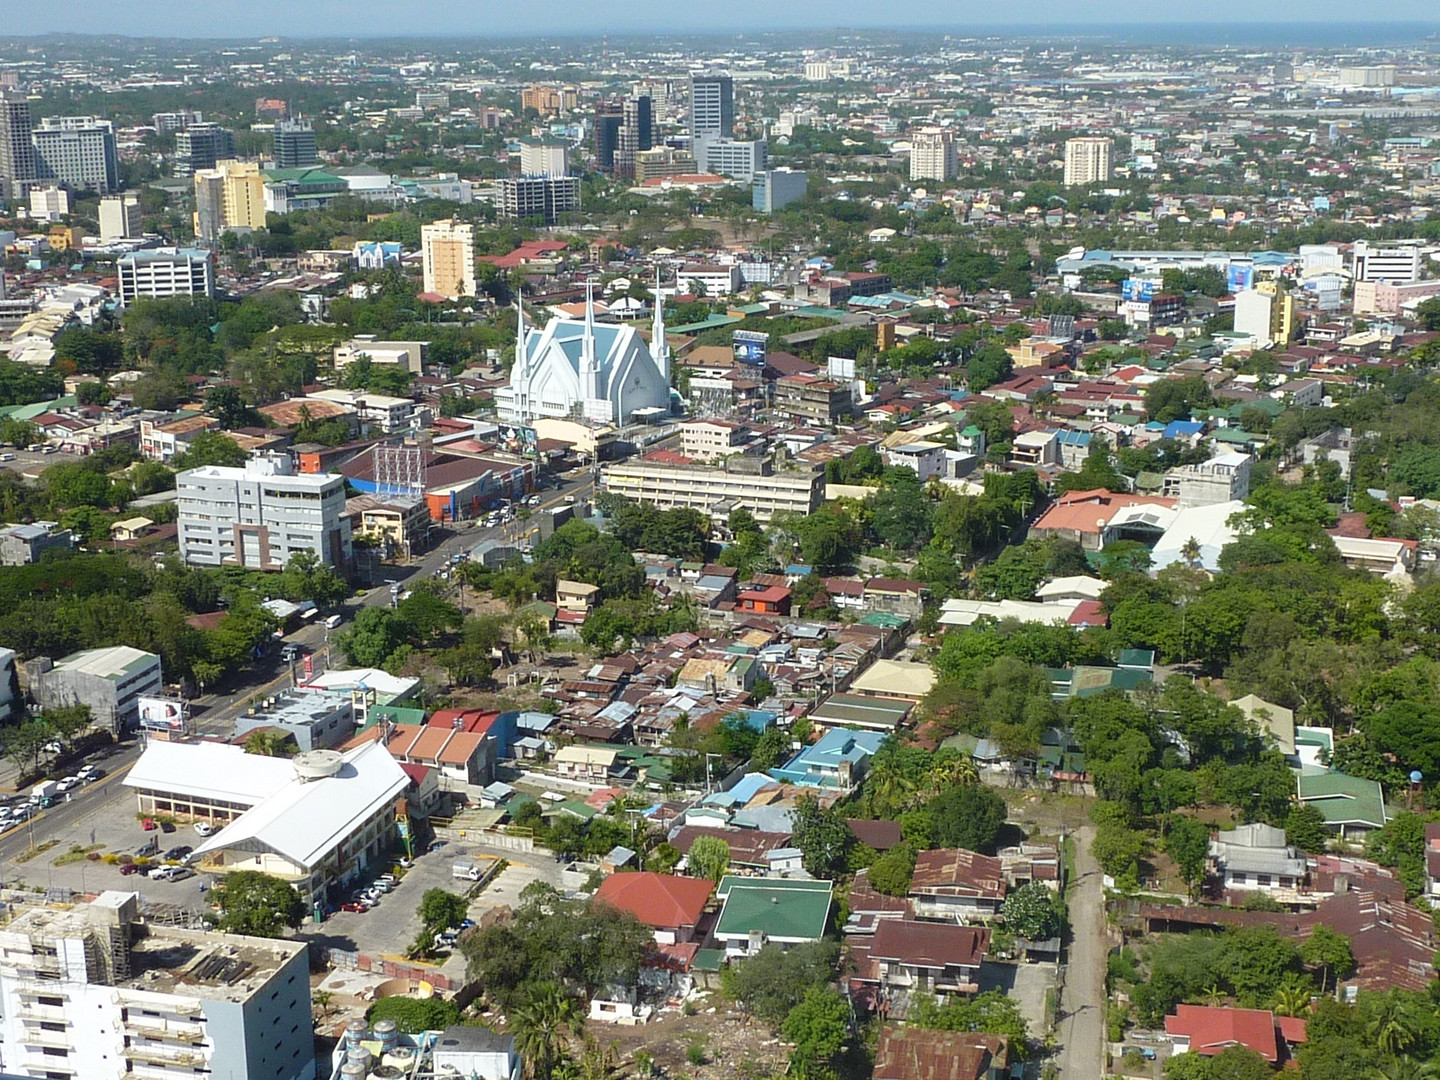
{"x":576,"y":369}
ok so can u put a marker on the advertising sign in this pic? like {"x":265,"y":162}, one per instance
{"x":1240,"y":277}
{"x":514,"y":439}
{"x":163,"y":714}
{"x":750,"y":346}
{"x":1137,"y":291}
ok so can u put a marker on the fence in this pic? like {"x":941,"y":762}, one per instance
{"x":379,"y":965}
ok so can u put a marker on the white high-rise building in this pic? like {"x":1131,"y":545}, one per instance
{"x":93,"y":991}
{"x":153,"y":275}
{"x":448,"y":258}
{"x":77,"y":151}
{"x":933,"y":155}
{"x":739,"y":159}
{"x":49,"y":203}
{"x":1087,"y":160}
{"x":544,"y":158}
{"x":712,"y":107}
{"x":120,"y":217}
{"x":260,"y":515}
{"x":1392,"y":264}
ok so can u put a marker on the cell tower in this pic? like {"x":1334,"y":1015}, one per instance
{"x":400,"y":471}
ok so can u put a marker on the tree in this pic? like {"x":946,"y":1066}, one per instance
{"x":227,"y":406}
{"x":270,"y":742}
{"x":821,"y":836}
{"x":210,"y":448}
{"x":770,"y":748}
{"x":1030,"y":913}
{"x":1306,"y":829}
{"x":817,"y":1028}
{"x":542,"y":1028}
{"x":1328,"y":952}
{"x":1119,"y":850}
{"x":990,"y":364}
{"x":890,"y":874}
{"x":1188,"y":843}
{"x":968,"y":817}
{"x":439,"y":910}
{"x":257,"y":904}
{"x":773,"y":981}
{"x":414,"y":1016}
{"x":372,"y":637}
{"x":709,"y":857}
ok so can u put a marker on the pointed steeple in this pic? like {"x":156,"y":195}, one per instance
{"x":520,"y":372}
{"x":659,"y":346}
{"x":589,"y":365}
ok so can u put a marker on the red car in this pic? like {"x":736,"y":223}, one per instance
{"x":148,"y":824}
{"x":130,"y":868}
{"x":352,"y":906}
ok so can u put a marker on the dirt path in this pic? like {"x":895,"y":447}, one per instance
{"x":1082,"y":1004}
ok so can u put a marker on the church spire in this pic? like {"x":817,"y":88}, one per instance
{"x":659,"y":345}
{"x":520,"y":371}
{"x":589,"y":366}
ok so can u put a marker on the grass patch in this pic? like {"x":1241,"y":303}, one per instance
{"x":38,"y":849}
{"x":75,"y":854}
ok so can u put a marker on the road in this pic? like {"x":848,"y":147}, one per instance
{"x":214,"y":713}
{"x":1082,"y":1002}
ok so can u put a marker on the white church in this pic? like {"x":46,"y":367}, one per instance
{"x":575,"y":369}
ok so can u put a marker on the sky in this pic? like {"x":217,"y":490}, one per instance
{"x":375,"y":18}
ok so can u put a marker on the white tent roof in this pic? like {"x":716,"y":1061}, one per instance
{"x":209,"y":770}
{"x":305,"y":821}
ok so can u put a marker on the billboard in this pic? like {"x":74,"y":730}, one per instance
{"x":163,"y":714}
{"x":1137,"y":290}
{"x":515,"y":439}
{"x":750,"y":346}
{"x":1240,"y":277}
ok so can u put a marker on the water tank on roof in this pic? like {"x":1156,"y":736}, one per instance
{"x":317,"y":764}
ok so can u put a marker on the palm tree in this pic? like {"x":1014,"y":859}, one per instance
{"x":1291,"y":999}
{"x":542,"y":1027}
{"x":1391,"y":1027}
{"x":1190,"y":552}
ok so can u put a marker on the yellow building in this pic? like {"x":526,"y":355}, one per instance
{"x":1282,"y":311}
{"x":448,"y":255}
{"x":228,"y":198}
{"x":65,"y":237}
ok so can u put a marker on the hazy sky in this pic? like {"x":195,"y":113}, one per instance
{"x":257,"y":18}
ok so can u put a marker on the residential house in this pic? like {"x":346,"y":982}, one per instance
{"x":770,"y":600}
{"x":576,"y":596}
{"x":1257,"y":857}
{"x":952,"y":883}
{"x":898,"y":595}
{"x":464,"y":759}
{"x":758,"y":912}
{"x":671,"y":906}
{"x":913,"y":1053}
{"x":1210,"y":1030}
{"x":581,"y":762}
{"x":839,"y":760}
{"x":1352,"y":806}
{"x":924,"y":957}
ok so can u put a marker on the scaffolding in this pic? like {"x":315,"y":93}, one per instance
{"x":400,"y":472}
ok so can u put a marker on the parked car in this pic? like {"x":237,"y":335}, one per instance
{"x":179,"y":852}
{"x":70,"y":782}
{"x":354,"y":906}
{"x":171,"y":873}
{"x":204,"y":828}
{"x":167,"y":826}
{"x":148,"y":824}
{"x":150,"y":847}
{"x":129,"y":868}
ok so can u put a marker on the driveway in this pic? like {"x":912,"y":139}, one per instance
{"x":1082,"y":1003}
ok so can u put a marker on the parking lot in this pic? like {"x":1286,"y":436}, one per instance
{"x":31,"y":463}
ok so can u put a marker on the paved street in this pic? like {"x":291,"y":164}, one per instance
{"x":1082,"y":1004}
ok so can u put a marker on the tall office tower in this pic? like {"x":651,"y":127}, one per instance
{"x":120,"y":217}
{"x":933,"y":155}
{"x":295,"y":145}
{"x":201,"y":146}
{"x":448,"y":255}
{"x":608,"y":118}
{"x":541,"y":198}
{"x":229,"y":198}
{"x":17,"y":152}
{"x":712,"y":107}
{"x":636,"y":133}
{"x":544,"y":157}
{"x":1087,"y":161}
{"x":78,"y":151}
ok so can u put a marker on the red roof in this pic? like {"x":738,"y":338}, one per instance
{"x":658,"y":900}
{"x":930,"y":945}
{"x":1212,"y":1029}
{"x":471,"y":720}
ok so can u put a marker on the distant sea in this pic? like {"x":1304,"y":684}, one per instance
{"x":1276,"y":35}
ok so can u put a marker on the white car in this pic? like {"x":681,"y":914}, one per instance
{"x":68,"y":783}
{"x":204,"y":828}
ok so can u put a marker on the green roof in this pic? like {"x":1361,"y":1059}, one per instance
{"x":714,"y":322}
{"x":708,"y":960}
{"x":814,"y":312}
{"x":883,"y":619}
{"x":730,"y":881}
{"x":779,"y":913}
{"x":395,"y":713}
{"x":1344,"y":800}
{"x":574,"y":808}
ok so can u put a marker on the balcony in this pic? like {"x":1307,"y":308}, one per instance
{"x":154,"y":1027}
{"x":164,"y":1055}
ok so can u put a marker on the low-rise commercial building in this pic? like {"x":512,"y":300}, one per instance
{"x":313,"y":718}
{"x":21,"y":545}
{"x":811,"y":399}
{"x":92,"y":991}
{"x":111,"y":681}
{"x":740,"y":482}
{"x":409,"y":355}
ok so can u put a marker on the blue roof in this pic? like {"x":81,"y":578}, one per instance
{"x":819,"y":763}
{"x":756,"y":719}
{"x":1073,"y":438}
{"x":1179,"y":428}
{"x":749,"y":786}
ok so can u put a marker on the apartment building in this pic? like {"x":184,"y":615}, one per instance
{"x":1224,"y":478}
{"x":933,"y":155}
{"x":1087,"y":161}
{"x":542,"y":198}
{"x":749,"y":482}
{"x":77,"y":151}
{"x":259,"y":515}
{"x":1393,"y":264}
{"x":17,"y":151}
{"x":663,"y":161}
{"x":202,"y":146}
{"x":94,"y":991}
{"x":228,"y":198}
{"x":739,"y":159}
{"x":120,"y":217}
{"x":708,"y":440}
{"x":448,"y":258}
{"x":811,"y":399}
{"x":295,"y":145}
{"x":150,"y":275}
{"x":703,"y":279}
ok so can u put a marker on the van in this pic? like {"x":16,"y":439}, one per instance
{"x":7,"y":457}
{"x":333,"y":621}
